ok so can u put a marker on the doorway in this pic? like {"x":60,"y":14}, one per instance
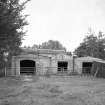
{"x":27,"y":67}
{"x":62,"y":66}
{"x":86,"y":67}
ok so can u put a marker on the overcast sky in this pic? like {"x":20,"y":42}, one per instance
{"x":64,"y":20}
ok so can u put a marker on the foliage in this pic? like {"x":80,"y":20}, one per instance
{"x":51,"y":44}
{"x":69,"y":53}
{"x":11,"y":27}
{"x":92,"y":46}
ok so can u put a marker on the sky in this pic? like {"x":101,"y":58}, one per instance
{"x":67,"y":21}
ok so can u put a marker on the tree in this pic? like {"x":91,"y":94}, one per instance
{"x":92,"y":46}
{"x":11,"y":27}
{"x":69,"y":53}
{"x":51,"y":44}
{"x":101,"y":45}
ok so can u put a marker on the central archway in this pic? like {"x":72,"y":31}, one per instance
{"x":27,"y":67}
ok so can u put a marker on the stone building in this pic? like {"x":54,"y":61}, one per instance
{"x":41,"y":61}
{"x":84,"y":65}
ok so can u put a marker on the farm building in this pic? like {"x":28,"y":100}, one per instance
{"x":43,"y":61}
{"x":88,"y":65}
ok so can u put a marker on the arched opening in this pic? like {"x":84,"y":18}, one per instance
{"x":27,"y":67}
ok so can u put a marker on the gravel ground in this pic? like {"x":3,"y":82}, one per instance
{"x":73,"y":90}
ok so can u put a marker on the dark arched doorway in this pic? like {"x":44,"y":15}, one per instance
{"x":27,"y":67}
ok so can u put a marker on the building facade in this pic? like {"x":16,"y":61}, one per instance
{"x":84,"y":65}
{"x":41,"y":61}
{"x":48,"y":61}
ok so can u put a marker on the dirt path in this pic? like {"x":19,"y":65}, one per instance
{"x":52,"y":91}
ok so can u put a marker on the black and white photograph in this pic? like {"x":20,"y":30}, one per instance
{"x":52,"y":52}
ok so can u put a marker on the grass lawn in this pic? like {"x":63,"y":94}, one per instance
{"x":73,"y":90}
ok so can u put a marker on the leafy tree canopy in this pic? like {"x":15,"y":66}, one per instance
{"x":92,"y":45}
{"x":11,"y":26}
{"x":51,"y":44}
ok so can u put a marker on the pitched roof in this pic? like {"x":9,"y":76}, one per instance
{"x":90,"y":59}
